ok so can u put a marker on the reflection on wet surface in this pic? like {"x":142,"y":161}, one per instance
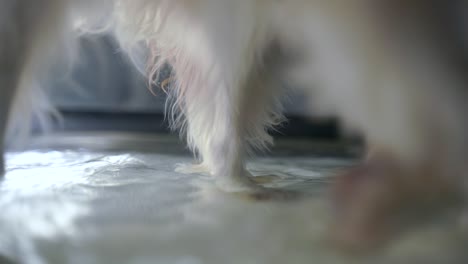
{"x":81,"y":206}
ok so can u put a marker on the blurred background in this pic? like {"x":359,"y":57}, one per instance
{"x":105,"y":92}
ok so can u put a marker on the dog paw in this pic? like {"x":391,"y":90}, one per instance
{"x":191,"y":168}
{"x":233,"y":184}
{"x":248,"y":187}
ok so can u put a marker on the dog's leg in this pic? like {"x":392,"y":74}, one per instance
{"x":417,"y":162}
{"x":11,"y":59}
{"x":218,"y":105}
{"x":216,"y":129}
{"x":259,"y":109}
{"x":26,"y":27}
{"x":245,"y":129}
{"x":8,"y":80}
{"x":7,"y":84}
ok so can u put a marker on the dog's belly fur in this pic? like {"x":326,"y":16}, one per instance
{"x":387,"y":68}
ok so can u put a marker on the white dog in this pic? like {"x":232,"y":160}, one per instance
{"x":393,"y":70}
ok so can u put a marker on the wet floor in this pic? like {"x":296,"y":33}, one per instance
{"x":70,"y":205}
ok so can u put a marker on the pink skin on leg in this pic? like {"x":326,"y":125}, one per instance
{"x":372,"y":200}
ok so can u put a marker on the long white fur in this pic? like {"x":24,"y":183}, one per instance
{"x":225,"y":97}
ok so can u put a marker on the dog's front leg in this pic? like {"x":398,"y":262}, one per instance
{"x":213,"y":83}
{"x":7,"y":87}
{"x":13,"y":35}
{"x":216,"y":124}
{"x":28,"y":34}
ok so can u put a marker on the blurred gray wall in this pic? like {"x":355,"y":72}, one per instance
{"x":105,"y":80}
